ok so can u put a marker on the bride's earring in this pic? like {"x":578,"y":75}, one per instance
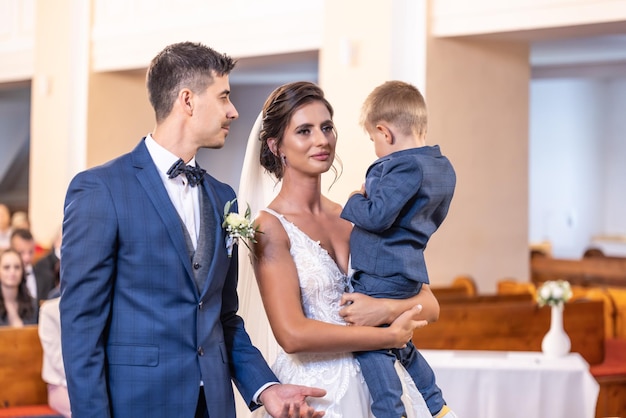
{"x":283,"y":159}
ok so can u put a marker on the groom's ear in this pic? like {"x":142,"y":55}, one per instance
{"x":185,"y":99}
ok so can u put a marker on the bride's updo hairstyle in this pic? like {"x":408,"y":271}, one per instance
{"x":281,"y":104}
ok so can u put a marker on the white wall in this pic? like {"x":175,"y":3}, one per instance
{"x":615,"y":159}
{"x":483,"y":17}
{"x":17,"y":29}
{"x":577,"y":171}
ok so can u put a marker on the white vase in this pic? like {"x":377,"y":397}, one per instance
{"x":556,"y":342}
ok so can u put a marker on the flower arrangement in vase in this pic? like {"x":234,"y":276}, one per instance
{"x":555,"y":293}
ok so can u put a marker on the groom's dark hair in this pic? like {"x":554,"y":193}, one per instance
{"x":185,"y":64}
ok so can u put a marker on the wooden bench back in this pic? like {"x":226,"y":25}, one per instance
{"x":494,"y":323}
{"x":618,"y":296}
{"x":487,"y":298}
{"x":462,"y":287}
{"x":609,"y":271}
{"x":601,"y":294}
{"x":511,"y":286}
{"x":21,"y":358}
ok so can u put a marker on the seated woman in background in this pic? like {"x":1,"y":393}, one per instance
{"x":53,"y":371}
{"x":17,"y":306}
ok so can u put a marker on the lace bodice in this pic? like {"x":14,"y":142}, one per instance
{"x":321,"y":281}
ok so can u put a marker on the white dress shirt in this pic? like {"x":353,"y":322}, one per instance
{"x":177,"y":188}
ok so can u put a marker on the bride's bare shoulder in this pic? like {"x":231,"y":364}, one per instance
{"x":269,"y":224}
{"x":265,"y":218}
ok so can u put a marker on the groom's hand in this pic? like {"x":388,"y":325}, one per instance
{"x":289,"y":401}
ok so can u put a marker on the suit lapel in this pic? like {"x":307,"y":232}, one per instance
{"x":220,"y":245}
{"x":150,"y":180}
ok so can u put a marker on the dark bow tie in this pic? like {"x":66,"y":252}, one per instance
{"x":194,"y":174}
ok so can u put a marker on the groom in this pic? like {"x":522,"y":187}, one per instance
{"x":148,"y":305}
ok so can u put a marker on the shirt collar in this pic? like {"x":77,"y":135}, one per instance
{"x":163,"y":159}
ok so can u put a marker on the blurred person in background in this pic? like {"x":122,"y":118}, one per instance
{"x":17,"y":307}
{"x":46,"y":267}
{"x":23,"y":242}
{"x":5,"y":227}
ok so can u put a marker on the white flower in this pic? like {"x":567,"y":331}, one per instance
{"x":554,"y":293}
{"x":557,"y":293}
{"x":238,"y":226}
{"x":545,"y":292}
{"x":235,"y":220}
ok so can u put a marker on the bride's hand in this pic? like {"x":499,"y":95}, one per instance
{"x":402,"y":328}
{"x":360,"y":309}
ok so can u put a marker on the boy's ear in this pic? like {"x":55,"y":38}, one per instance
{"x":386,"y":132}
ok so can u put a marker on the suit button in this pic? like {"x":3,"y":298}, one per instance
{"x":196,"y":265}
{"x":200,"y":351}
{"x":200,"y":305}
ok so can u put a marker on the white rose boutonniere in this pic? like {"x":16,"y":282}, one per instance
{"x":554,"y":293}
{"x":237,"y":227}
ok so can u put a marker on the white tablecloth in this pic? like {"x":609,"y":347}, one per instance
{"x":500,"y":384}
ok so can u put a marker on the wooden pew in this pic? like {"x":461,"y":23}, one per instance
{"x":610,"y":311}
{"x":509,"y":297}
{"x":618,"y":297}
{"x":22,"y":390}
{"x":462,"y":287}
{"x":504,"y":323}
{"x":21,"y":356}
{"x":511,"y":286}
{"x":591,"y":271}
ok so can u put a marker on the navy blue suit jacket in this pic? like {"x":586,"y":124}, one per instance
{"x":138,"y":337}
{"x":408,"y":196}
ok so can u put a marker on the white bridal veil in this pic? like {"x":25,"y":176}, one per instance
{"x":256,"y":188}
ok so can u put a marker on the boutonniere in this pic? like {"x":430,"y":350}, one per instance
{"x":237,"y":227}
{"x":554,"y":293}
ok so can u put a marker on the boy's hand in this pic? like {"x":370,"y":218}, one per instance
{"x":362,"y":191}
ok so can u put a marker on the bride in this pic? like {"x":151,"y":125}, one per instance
{"x":301,"y":262}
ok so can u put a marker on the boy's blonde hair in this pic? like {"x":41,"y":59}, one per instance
{"x":398,"y":103}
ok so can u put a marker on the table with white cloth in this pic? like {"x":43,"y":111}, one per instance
{"x":509,"y":384}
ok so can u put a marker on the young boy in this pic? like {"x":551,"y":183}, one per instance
{"x":405,"y":198}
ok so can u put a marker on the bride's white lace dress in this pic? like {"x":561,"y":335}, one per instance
{"x":322,"y":284}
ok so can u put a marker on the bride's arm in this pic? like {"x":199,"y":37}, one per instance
{"x":279,"y":287}
{"x":360,"y":309}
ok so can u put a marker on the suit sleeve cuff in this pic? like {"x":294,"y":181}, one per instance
{"x":257,"y":394}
